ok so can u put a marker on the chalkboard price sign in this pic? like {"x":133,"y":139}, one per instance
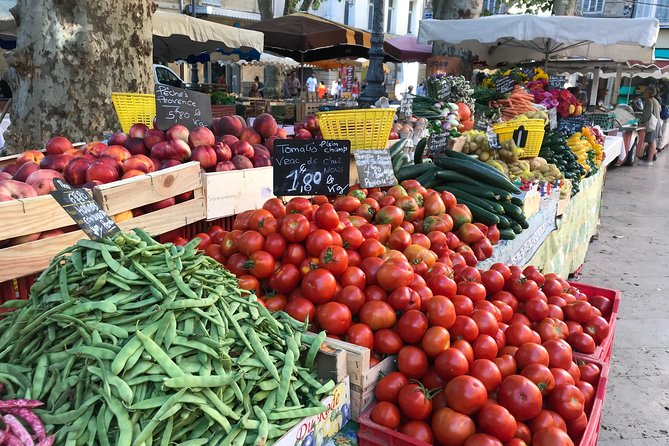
{"x":311,"y":166}
{"x":438,"y":143}
{"x":504,"y":84}
{"x":406,"y":108}
{"x":375,"y":168}
{"x":179,"y":106}
{"x":556,"y":82}
{"x":86,"y":213}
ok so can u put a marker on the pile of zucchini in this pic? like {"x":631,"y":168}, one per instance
{"x":488,"y":194}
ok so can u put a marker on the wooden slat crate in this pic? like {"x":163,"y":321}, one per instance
{"x":40,"y":214}
{"x":230,"y":193}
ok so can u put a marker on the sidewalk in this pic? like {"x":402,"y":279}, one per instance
{"x":631,"y":255}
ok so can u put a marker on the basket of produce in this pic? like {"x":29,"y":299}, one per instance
{"x":134,"y":108}
{"x":365,"y":128}
{"x":529,"y":141}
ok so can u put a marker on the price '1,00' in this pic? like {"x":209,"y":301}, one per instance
{"x":307,"y":179}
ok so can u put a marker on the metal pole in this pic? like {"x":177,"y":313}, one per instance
{"x":194,"y":74}
{"x":375,"y":75}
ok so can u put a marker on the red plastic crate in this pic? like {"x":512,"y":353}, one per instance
{"x":603,"y":351}
{"x":372,"y":434}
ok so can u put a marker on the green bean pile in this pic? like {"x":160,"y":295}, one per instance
{"x":132,"y":342}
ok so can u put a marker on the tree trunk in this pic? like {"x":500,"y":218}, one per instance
{"x":306,"y":4}
{"x":70,"y":56}
{"x":455,"y":9}
{"x":266,"y":8}
{"x":564,"y":7}
{"x":290,"y":7}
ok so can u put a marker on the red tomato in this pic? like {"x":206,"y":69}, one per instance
{"x":300,"y":309}
{"x":370,"y":266}
{"x":371,"y":248}
{"x":464,"y":328}
{"x":319,"y":286}
{"x":520,"y":396}
{"x":360,"y":334}
{"x":551,"y":436}
{"x":560,"y":353}
{"x":352,"y":237}
{"x":317,"y":241}
{"x":590,"y":372}
{"x":551,"y":329}
{"x":485,"y":347}
{"x":496,"y":420}
{"x":250,"y":283}
{"x":399,"y":240}
{"x":263,"y":221}
{"x":412,"y":326}
{"x":353,"y":297}
{"x":414,"y":402}
{"x":354,"y":258}
{"x":412,"y":361}
{"x":394,"y":273}
{"x":541,"y":376}
{"x":487,"y":372}
{"x":391,"y":215}
{"x":299,"y":205}
{"x":295,"y":254}
{"x":250,"y":242}
{"x":485,"y":322}
{"x":463,"y":305}
{"x":531,"y":353}
{"x":388,"y":388}
{"x":295,"y":228}
{"x":465,"y":394}
{"x":387,"y":342}
{"x":377,"y":315}
{"x":276,"y":303}
{"x":326,"y":217}
{"x":205,"y":240}
{"x":236,"y":264}
{"x":597,"y":327}
{"x":276,"y":207}
{"x":482,"y":440}
{"x":506,"y":364}
{"x":215,"y":252}
{"x":404,"y":299}
{"x":588,"y":391}
{"x":562,"y":376}
{"x":260,"y":264}
{"x":333,"y":317}
{"x":474,"y":290}
{"x":575,"y":372}
{"x":452,"y":428}
{"x":578,"y":311}
{"x":242,"y":221}
{"x":524,"y":289}
{"x":576,"y":428}
{"x":582,"y":343}
{"x":567,"y":400}
{"x":386,"y":414}
{"x":435,"y":340}
{"x":419,"y":430}
{"x":536,"y":309}
{"x":493,"y":281}
{"x":334,"y":259}
{"x":307,"y":265}
{"x":442,"y":285}
{"x":275,"y":244}
{"x":451,"y":363}
{"x":519,"y":334}
{"x":375,"y":292}
{"x":604,"y":305}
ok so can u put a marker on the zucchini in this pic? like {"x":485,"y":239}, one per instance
{"x":399,"y":161}
{"x":426,"y":177}
{"x":517,"y":201}
{"x":477,"y":191}
{"x":462,"y":195}
{"x":456,"y":177}
{"x":512,"y":210}
{"x":522,"y":222}
{"x":397,"y":147}
{"x":414,"y":171}
{"x":515,"y":227}
{"x":464,"y":157}
{"x":481,"y":215}
{"x":419,"y":151}
{"x":503,"y":222}
{"x":476,"y":171}
{"x":506,"y":234}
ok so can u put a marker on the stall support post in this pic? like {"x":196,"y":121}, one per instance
{"x":594,"y":88}
{"x":616,"y":84}
{"x":375,"y":88}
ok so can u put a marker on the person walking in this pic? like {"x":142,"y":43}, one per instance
{"x":322,"y":90}
{"x":312,"y":83}
{"x":650,"y":120}
{"x":355,"y":89}
{"x":295,"y":85}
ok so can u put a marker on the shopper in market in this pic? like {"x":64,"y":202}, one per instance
{"x":322,"y":90}
{"x":651,"y":121}
{"x":261,"y":86}
{"x":355,"y":89}
{"x":312,"y":83}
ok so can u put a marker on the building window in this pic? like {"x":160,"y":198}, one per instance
{"x":370,"y":15}
{"x":592,"y":6}
{"x":491,"y":6}
{"x":389,"y":24}
{"x":410,"y":21}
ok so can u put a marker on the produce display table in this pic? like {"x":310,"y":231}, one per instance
{"x":614,"y":147}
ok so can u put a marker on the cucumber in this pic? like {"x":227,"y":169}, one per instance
{"x":397,"y":147}
{"x":462,"y":195}
{"x":506,"y":234}
{"x":456,"y":177}
{"x":481,"y":215}
{"x":426,"y":177}
{"x":464,"y":157}
{"x":517,"y":201}
{"x":419,"y":151}
{"x":522,"y":222}
{"x":399,"y":161}
{"x":476,"y":171}
{"x":477,"y":191}
{"x":503,"y":222}
{"x":515,"y":227}
{"x":512,"y":210}
{"x":415,"y":171}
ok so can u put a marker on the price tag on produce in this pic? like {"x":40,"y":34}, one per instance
{"x":504,"y":84}
{"x":438,"y":143}
{"x":375,"y":168}
{"x":311,"y":166}
{"x":406,"y":108}
{"x":85,"y":211}
{"x":180,"y":106}
{"x":556,"y":82}
{"x":493,"y":139}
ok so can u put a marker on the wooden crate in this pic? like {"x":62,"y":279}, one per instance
{"x":304,"y":109}
{"x":40,"y":214}
{"x":235,"y":191}
{"x":363,"y":397}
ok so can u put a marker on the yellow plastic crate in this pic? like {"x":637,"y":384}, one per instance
{"x":535,"y":137}
{"x":134,"y":108}
{"x":366,"y":128}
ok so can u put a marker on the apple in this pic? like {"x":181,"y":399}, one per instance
{"x":242,"y":148}
{"x":96,"y":148}
{"x":303,"y":134}
{"x":201,"y":136}
{"x":91,"y":184}
{"x":205,"y":155}
{"x":16,"y":189}
{"x":162,"y":204}
{"x":10,"y":168}
{"x":169,"y":163}
{"x":269,"y":144}
{"x":25,"y":170}
{"x":117,"y":153}
{"x":160,"y":150}
{"x":178,"y":131}
{"x":58,"y":145}
{"x":260,"y":150}
{"x":51,"y":233}
{"x":75,"y":170}
{"x":55,"y":162}
{"x":153,"y":137}
{"x":265,"y":124}
{"x":311,"y":123}
{"x":136,"y":146}
{"x":118,"y":139}
{"x":224,"y":166}
{"x":229,"y":139}
{"x":251,"y":136}
{"x":132,"y":173}
{"x":5,"y":176}
{"x":29,"y":155}
{"x":179,"y":150}
{"x":230,"y":125}
{"x":42,"y":180}
{"x":223,"y":151}
{"x":138,"y":130}
{"x":281,"y":134}
{"x":102,"y":172}
{"x":138,"y":162}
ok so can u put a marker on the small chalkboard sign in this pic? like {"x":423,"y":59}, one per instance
{"x":180,"y":106}
{"x":438,"y":143}
{"x":406,"y":108}
{"x":504,"y":84}
{"x":375,"y":169}
{"x":520,"y":136}
{"x":311,"y":166}
{"x":493,"y":139}
{"x":556,"y":82}
{"x":85,"y":211}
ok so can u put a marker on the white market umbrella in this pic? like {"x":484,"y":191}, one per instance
{"x":516,"y":38}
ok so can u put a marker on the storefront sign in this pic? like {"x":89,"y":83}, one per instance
{"x":375,"y":169}
{"x":311,"y":167}
{"x":556,"y":82}
{"x":85,"y":211}
{"x":180,"y":106}
{"x":504,"y":84}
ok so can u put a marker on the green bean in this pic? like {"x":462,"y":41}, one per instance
{"x":199,"y":381}
{"x":299,"y":413}
{"x":167,"y":433}
{"x":37,"y":322}
{"x":263,"y":429}
{"x":314,"y":349}
{"x":286,"y":373}
{"x":218,"y":404}
{"x":116,"y":266}
{"x":125,"y":427}
{"x":217,"y":417}
{"x":195,"y":442}
{"x":132,"y":346}
{"x":262,"y":353}
{"x":160,"y":356}
{"x":143,"y":271}
{"x":67,"y":417}
{"x":154,"y":421}
{"x":102,"y":428}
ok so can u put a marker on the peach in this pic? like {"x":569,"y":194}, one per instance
{"x":122,"y":216}
{"x":223,"y":152}
{"x":265,"y":124}
{"x":58,"y":145}
{"x":102,"y":172}
{"x":261,"y":161}
{"x":281,"y":134}
{"x":179,"y":150}
{"x":214,"y":125}
{"x":156,"y":163}
{"x":75,"y":153}
{"x":178,"y":131}
{"x":138,"y":162}
{"x":311,"y":123}
{"x":25,"y":170}
{"x":75,"y":171}
{"x":55,"y":162}
{"x":229,"y":139}
{"x":184,"y":197}
{"x":95,"y":148}
{"x":118,"y":139}
{"x":160,"y":150}
{"x":201,"y":136}
{"x":132,"y":173}
{"x":5,"y":176}
{"x":117,"y":153}
{"x":136,"y":146}
{"x":153,"y":137}
{"x":110,"y":162}
{"x":91,"y":184}
{"x":29,"y":155}
{"x":230,"y":125}
{"x":138,"y":130}
{"x":303,"y":134}
{"x":16,"y":189}
{"x":42,"y":180}
{"x":224,"y":166}
{"x":162,"y":204}
{"x":24,"y":239}
{"x":269,"y":144}
{"x":260,"y":150}
{"x":10,"y":168}
{"x":170,"y":163}
{"x":205,"y":155}
{"x":251,"y":136}
{"x":242,"y":148}
{"x":51,"y":233}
